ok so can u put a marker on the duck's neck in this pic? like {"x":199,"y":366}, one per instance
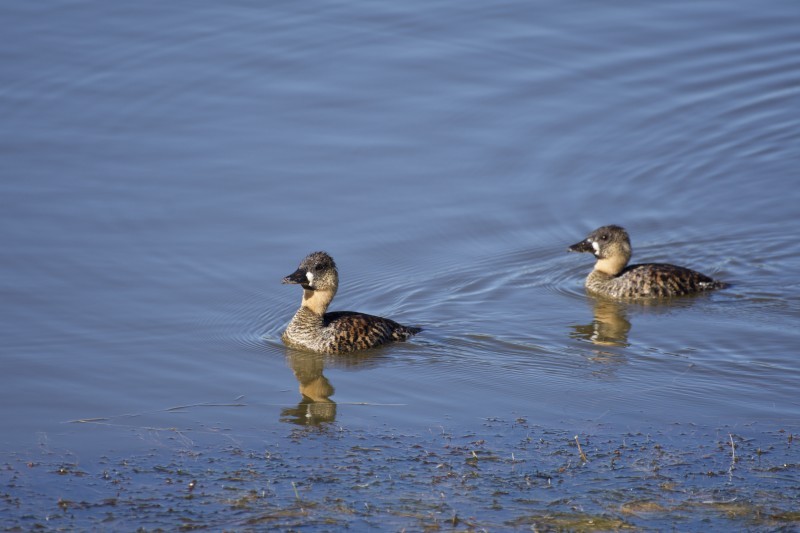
{"x":317,"y":301}
{"x":611,"y":266}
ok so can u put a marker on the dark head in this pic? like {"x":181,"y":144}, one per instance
{"x":610,"y":245}
{"x":317,"y":272}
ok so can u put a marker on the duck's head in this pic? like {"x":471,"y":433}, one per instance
{"x":610,"y":245}
{"x":317,"y":272}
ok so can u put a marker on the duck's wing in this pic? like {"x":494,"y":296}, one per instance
{"x":661,"y":279}
{"x":360,"y":331}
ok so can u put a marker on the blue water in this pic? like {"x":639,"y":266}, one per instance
{"x":165,"y":165}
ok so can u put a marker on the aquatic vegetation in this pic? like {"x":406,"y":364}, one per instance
{"x":509,"y":474}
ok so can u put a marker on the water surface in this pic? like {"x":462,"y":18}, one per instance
{"x":164,"y":166}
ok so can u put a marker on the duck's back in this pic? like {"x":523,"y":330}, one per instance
{"x":655,"y":280}
{"x":348,"y":331}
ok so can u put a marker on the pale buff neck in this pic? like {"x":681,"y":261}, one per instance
{"x":317,"y":301}
{"x":612,"y":266}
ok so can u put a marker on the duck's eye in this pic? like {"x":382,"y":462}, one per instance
{"x":317,"y":267}
{"x":604,"y":237}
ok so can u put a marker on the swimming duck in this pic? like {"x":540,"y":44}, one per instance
{"x":332,"y":333}
{"x":613,"y":277}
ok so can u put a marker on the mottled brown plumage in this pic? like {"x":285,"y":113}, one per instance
{"x":314,"y":329}
{"x":612,"y":277}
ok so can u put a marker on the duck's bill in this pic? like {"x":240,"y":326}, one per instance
{"x":297,"y":277}
{"x":583,"y":246}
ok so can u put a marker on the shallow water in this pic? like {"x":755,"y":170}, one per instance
{"x":164,"y":166}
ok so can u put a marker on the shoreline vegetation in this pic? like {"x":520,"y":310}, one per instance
{"x":509,"y":474}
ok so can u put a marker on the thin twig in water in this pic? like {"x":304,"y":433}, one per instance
{"x":236,"y":403}
{"x":580,"y":450}
{"x":733,"y":453}
{"x":205,"y":404}
{"x":372,"y":404}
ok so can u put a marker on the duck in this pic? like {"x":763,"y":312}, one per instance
{"x":313,"y":328}
{"x":614,"y":278}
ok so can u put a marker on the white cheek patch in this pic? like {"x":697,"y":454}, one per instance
{"x":310,"y":277}
{"x":596,"y":247}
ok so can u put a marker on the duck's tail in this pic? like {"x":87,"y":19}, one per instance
{"x":405,"y":332}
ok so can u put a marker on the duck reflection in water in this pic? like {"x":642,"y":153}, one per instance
{"x":316,"y":407}
{"x":610,"y":326}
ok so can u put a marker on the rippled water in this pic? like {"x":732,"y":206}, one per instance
{"x":164,"y":166}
